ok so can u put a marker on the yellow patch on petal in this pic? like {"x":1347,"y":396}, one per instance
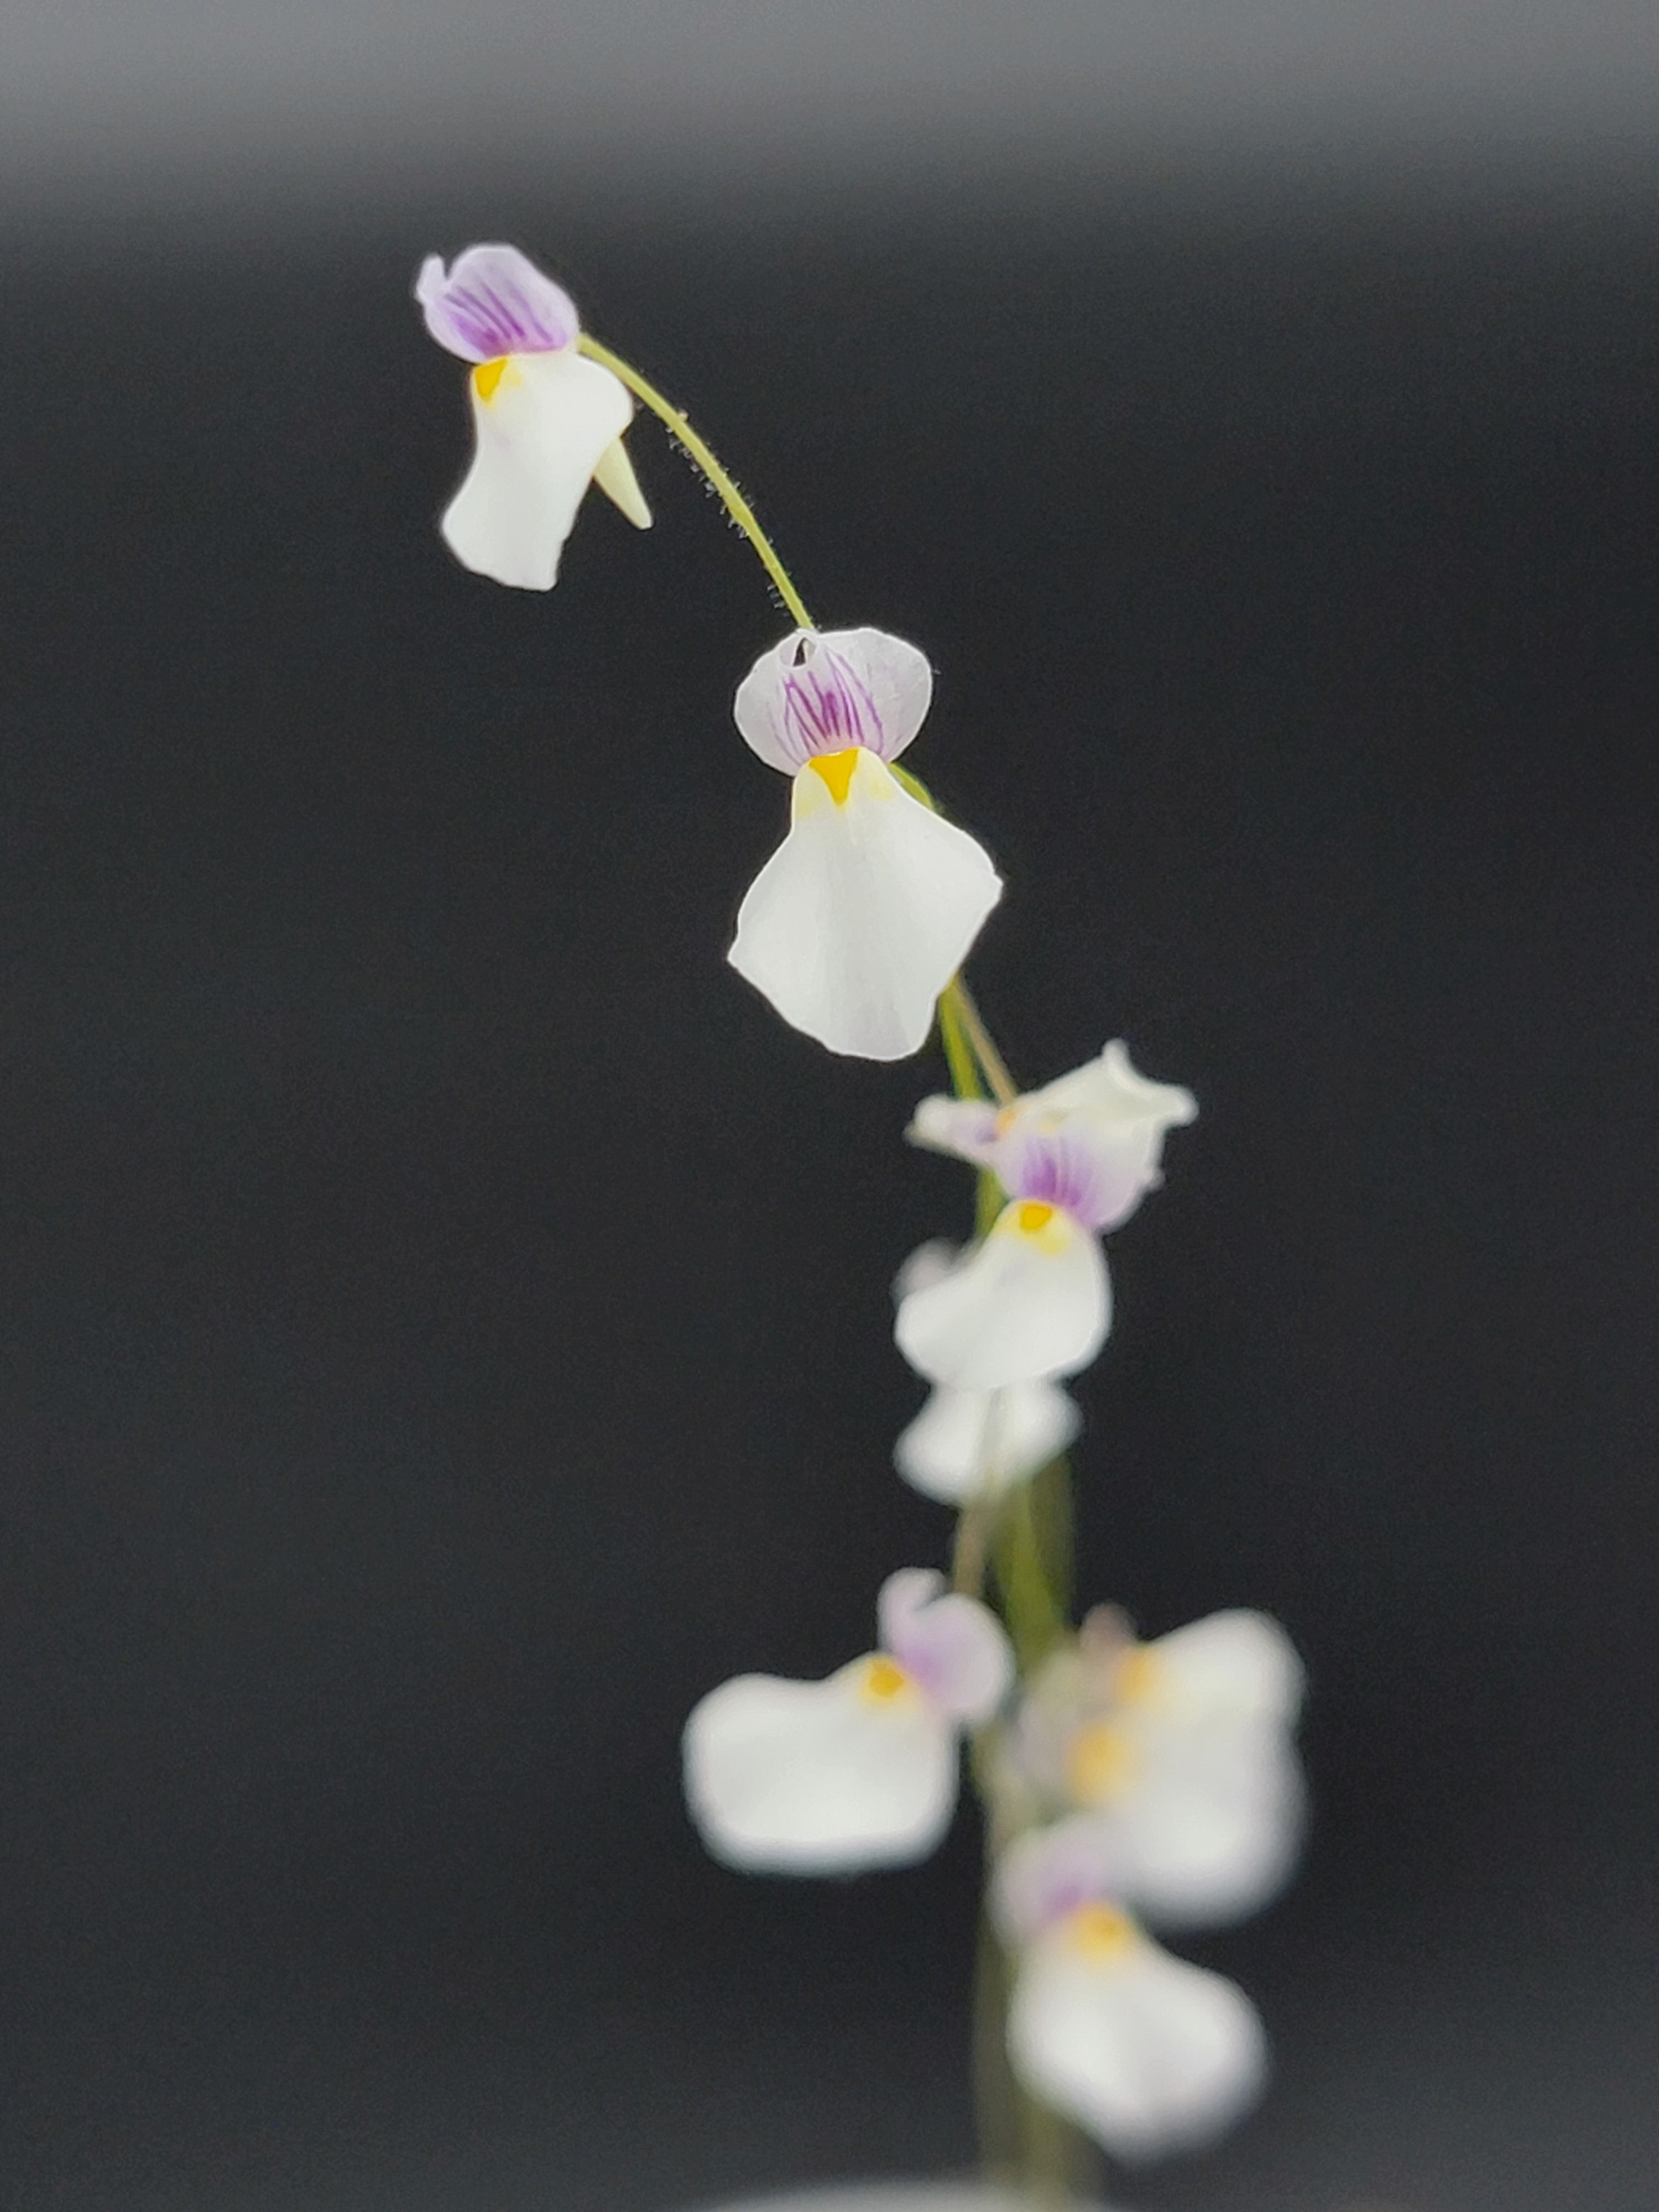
{"x":486,"y":376}
{"x":1044,"y":1225}
{"x":1138,"y":1675}
{"x":837,"y":771}
{"x":1100,"y":1762}
{"x":1100,"y":1932}
{"x":883,"y":1680}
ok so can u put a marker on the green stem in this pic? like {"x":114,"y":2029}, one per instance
{"x":702,"y":453}
{"x":996,"y":1070}
{"x":958,"y":1054}
{"x":1032,"y":1558}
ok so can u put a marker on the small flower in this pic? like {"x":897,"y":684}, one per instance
{"x":1145,"y":2052}
{"x":965,"y":1444}
{"x":867,"y":908}
{"x":1034,"y":1298}
{"x":857,"y":1771}
{"x":1176,"y":1759}
{"x":1114,"y":1112}
{"x":548,"y":421}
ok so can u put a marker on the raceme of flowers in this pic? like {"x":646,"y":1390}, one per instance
{"x":1128,"y":1786}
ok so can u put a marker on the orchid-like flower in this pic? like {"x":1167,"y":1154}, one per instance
{"x":548,"y":421}
{"x":965,"y":1445}
{"x":867,"y":908}
{"x":1147,"y":2052}
{"x":1034,"y":1299}
{"x":1175,"y":1760}
{"x":860,"y":1770}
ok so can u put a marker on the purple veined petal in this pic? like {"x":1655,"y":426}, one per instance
{"x":952,"y":1645}
{"x":1046,"y":1873}
{"x":493,"y":301}
{"x":1096,"y":1180}
{"x":967,"y":1128}
{"x":824,"y":691}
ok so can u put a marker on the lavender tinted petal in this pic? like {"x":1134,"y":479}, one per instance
{"x":493,"y":301}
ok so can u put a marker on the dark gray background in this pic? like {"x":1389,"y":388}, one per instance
{"x":444,"y":1325}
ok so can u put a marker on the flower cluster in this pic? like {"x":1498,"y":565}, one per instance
{"x":1128,"y":1786}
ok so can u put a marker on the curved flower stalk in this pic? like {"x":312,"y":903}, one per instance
{"x":1034,"y":1298}
{"x":860,"y":1770}
{"x":547,"y":421}
{"x":865,"y":911}
{"x":1173,"y":1759}
{"x":1146,"y":2052}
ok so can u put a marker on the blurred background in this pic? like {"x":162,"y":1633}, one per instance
{"x":444,"y":1324}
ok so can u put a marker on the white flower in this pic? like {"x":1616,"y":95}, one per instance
{"x":1118,"y":1113}
{"x":548,"y":421}
{"x":1178,"y":1755}
{"x":857,"y":1771}
{"x":1034,"y":1298}
{"x":1145,"y":2052}
{"x":866,"y":910}
{"x":965,"y":1444}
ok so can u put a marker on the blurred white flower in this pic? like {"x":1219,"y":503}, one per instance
{"x":860,"y":1770}
{"x":866,"y":910}
{"x":1034,"y":1298}
{"x":965,"y":1444}
{"x":1176,"y":1759}
{"x":1145,"y":2052}
{"x":547,"y":421}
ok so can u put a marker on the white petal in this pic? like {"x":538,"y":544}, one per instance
{"x":929,"y":1263}
{"x":1110,"y":1093}
{"x":1237,"y":1665}
{"x":1207,"y":1826}
{"x":1147,"y":2053}
{"x":823,"y":690}
{"x":541,"y":432}
{"x":965,"y":1444}
{"x":863,"y":915}
{"x":965,"y":1127}
{"x":820,"y":1777}
{"x":1029,"y":1302}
